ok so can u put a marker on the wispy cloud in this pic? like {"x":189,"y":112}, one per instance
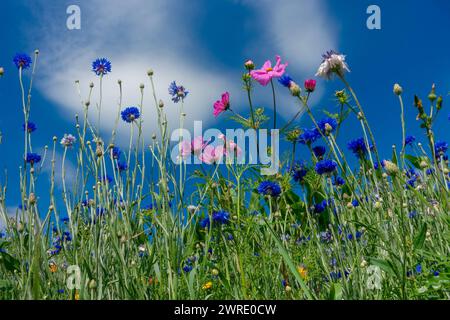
{"x":137,"y":35}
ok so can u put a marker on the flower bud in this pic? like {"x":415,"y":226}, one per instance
{"x":432,"y":95}
{"x":92,"y":284}
{"x":2,"y":71}
{"x":295,"y":89}
{"x":439,"y":103}
{"x":310,"y":85}
{"x":391,"y":168}
{"x":249,"y":65}
{"x":150,"y":72}
{"x":397,"y":89}
{"x":161,"y":104}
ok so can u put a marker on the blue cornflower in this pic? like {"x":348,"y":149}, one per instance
{"x":355,"y":203}
{"x":101,"y":66}
{"x":187,"y":268}
{"x":308,"y":136}
{"x":130,"y":114}
{"x":33,"y":158}
{"x":409,"y":140}
{"x":122,"y":166}
{"x":325,"y":166}
{"x":419,"y":269}
{"x":285,"y":80}
{"x":105,"y":178}
{"x":338,"y":181}
{"x":325,"y":236}
{"x":205,"y":222}
{"x":319,"y":151}
{"x":269,"y":188}
{"x":298,"y":171}
{"x":330,"y":121}
{"x":22,"y":60}
{"x":177,"y":92}
{"x":116,"y":152}
{"x":440,"y":148}
{"x":412,"y":214}
{"x":60,"y":291}
{"x":320,"y":207}
{"x":221,"y":217}
{"x":29,"y":126}
{"x":358,"y":147}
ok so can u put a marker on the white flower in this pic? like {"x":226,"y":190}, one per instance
{"x":68,"y":140}
{"x":332,"y":63}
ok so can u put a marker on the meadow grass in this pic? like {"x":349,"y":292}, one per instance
{"x":139,"y":226}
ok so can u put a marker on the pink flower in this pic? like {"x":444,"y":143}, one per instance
{"x":222,"y":105}
{"x":195,"y":147}
{"x":310,"y":85}
{"x":267,"y":72}
{"x":212,"y":154}
{"x":231,"y":148}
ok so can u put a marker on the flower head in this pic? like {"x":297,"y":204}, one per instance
{"x":22,"y":61}
{"x":319,"y":151}
{"x":409,"y":140}
{"x":440,"y":148}
{"x":320,"y":207}
{"x":358,"y":147}
{"x":116,"y":152}
{"x":222,"y":105}
{"x":286,"y":80}
{"x":310,"y":85}
{"x":267,"y":72}
{"x":29,"y":126}
{"x":308,"y":136}
{"x":68,"y":140}
{"x":325,"y":166}
{"x":122,"y":166}
{"x":298,"y":171}
{"x":333,"y":62}
{"x":338,"y":181}
{"x":269,"y":188}
{"x":32,"y":158}
{"x":177,"y":92}
{"x":130,"y":114}
{"x":211,"y":154}
{"x":327,"y":125}
{"x":221,"y":217}
{"x":101,"y":66}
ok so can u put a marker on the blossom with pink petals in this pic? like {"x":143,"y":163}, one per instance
{"x":222,"y":105}
{"x":195,"y":147}
{"x":267,"y":72}
{"x":211,"y":154}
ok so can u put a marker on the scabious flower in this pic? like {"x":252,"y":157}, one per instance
{"x":409,"y":140}
{"x":211,"y":154}
{"x":298,"y":171}
{"x":32,"y":158}
{"x":101,"y":66}
{"x":29,"y":127}
{"x":440,"y":148}
{"x":327,"y":125}
{"x":130,"y":114}
{"x":319,"y":151}
{"x":269,"y":188}
{"x":308,"y":136}
{"x":222,"y":105}
{"x":333,"y":62}
{"x":310,"y":85}
{"x":22,"y":61}
{"x":358,"y":147}
{"x":68,"y":140}
{"x":177,"y":92}
{"x":325,"y":166}
{"x":267,"y":72}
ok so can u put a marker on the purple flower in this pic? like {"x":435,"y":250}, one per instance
{"x":177,"y":92}
{"x":325,"y":166}
{"x":269,"y":188}
{"x":101,"y":66}
{"x":22,"y":61}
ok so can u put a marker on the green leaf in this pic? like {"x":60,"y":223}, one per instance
{"x":415,"y":161}
{"x":420,"y":238}
{"x":384,"y":265}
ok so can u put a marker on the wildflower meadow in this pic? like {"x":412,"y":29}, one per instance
{"x":233,"y":214}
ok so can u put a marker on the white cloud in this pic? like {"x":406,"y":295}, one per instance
{"x":136,"y":35}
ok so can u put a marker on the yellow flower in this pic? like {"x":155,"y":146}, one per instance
{"x":303,"y":272}
{"x":207,"y":285}
{"x":77,"y":295}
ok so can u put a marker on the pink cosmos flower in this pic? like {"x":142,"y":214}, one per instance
{"x":195,"y":147}
{"x":267,"y":72}
{"x":212,"y":154}
{"x":231,"y":148}
{"x":222,"y":105}
{"x":310,"y":85}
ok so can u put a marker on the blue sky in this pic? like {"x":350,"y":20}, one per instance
{"x":203,"y":44}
